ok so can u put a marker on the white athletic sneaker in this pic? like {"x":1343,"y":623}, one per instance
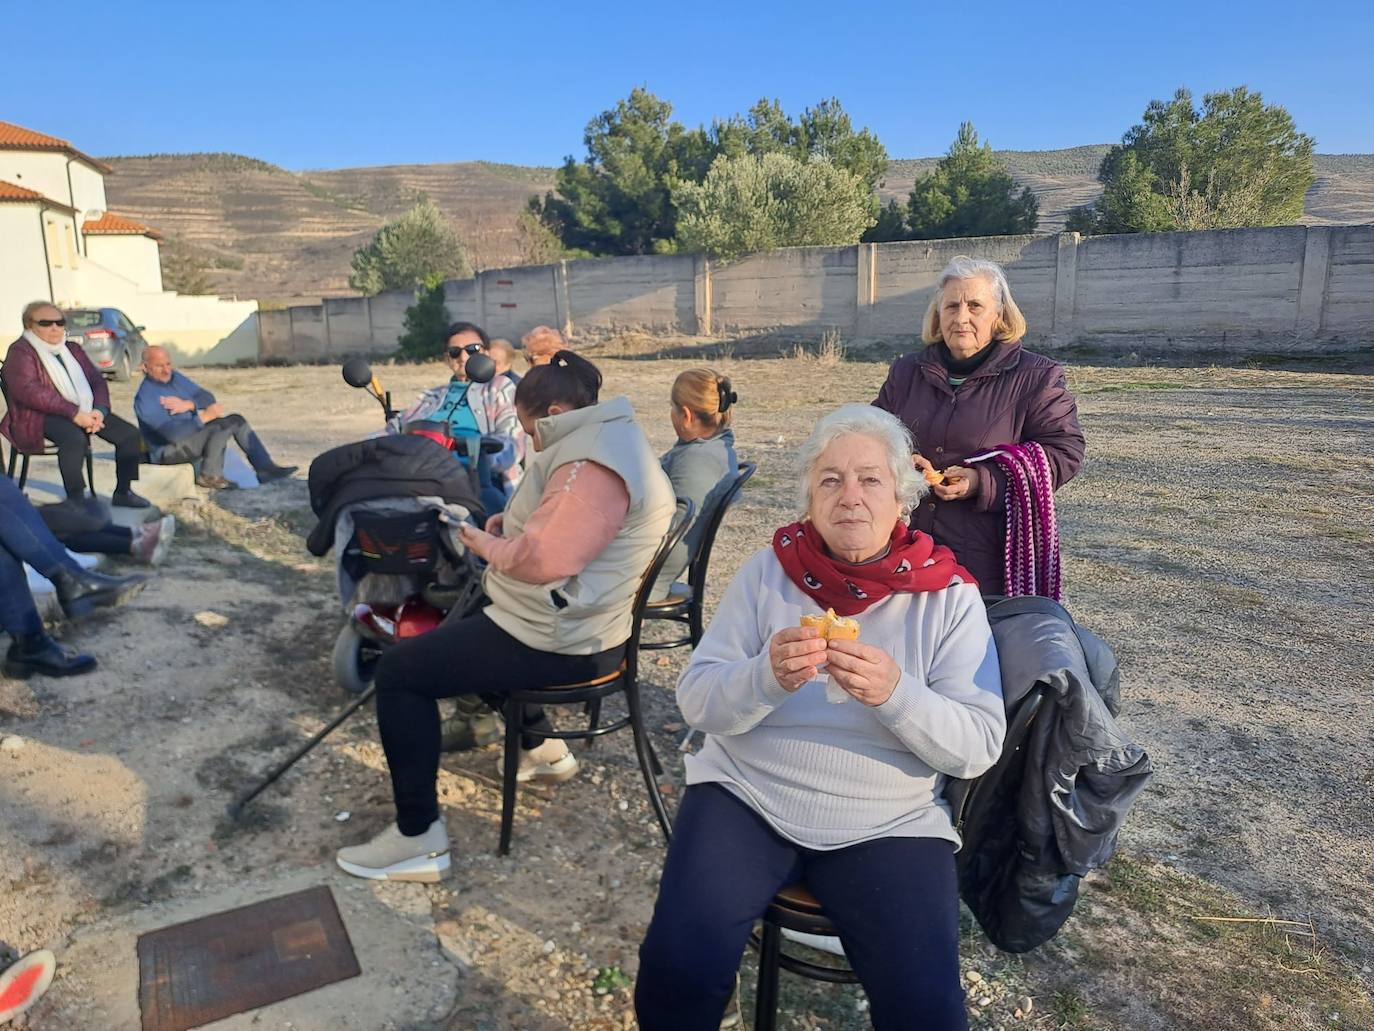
{"x":391,"y":856}
{"x":548,"y":763}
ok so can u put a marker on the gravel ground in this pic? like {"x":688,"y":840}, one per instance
{"x":1218,"y":537}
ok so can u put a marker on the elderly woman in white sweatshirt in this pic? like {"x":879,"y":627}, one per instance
{"x":836,"y":784}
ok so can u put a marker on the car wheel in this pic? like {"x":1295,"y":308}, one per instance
{"x":123,"y":370}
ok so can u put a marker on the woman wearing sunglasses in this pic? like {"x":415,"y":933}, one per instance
{"x":54,"y":392}
{"x":474,"y":409}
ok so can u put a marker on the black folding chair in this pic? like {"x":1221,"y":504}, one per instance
{"x":686,"y":602}
{"x":590,"y":692}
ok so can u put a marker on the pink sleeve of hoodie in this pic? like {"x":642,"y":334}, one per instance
{"x":583,"y":508}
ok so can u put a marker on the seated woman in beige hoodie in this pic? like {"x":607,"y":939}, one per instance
{"x":563,"y":563}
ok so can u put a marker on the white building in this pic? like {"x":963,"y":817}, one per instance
{"x":58,"y":242}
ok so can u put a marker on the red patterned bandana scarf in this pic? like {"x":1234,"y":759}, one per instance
{"x":913,"y":563}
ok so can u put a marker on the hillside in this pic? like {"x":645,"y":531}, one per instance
{"x":281,"y":236}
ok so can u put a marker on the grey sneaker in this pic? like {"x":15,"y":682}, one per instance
{"x":391,"y":856}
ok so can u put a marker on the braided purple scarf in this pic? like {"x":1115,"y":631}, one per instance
{"x":1031,"y":554}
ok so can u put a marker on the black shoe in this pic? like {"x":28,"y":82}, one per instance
{"x":39,"y":653}
{"x":128,"y":499}
{"x":275,"y":472}
{"x":79,"y":591}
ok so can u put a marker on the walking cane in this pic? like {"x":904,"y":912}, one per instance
{"x":236,"y":807}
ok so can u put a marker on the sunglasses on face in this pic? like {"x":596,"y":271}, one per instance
{"x":454,"y":352}
{"x":45,"y":323}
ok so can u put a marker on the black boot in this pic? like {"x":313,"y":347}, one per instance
{"x":79,"y":591}
{"x":39,"y":653}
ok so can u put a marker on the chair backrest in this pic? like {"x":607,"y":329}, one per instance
{"x":696,"y":575}
{"x":677,"y":529}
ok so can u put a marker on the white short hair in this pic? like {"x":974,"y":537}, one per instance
{"x":867,"y":421}
{"x":964,"y":267}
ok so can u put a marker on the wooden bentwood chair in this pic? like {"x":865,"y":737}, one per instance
{"x":685,"y":603}
{"x":591,"y":692}
{"x":796,"y":909}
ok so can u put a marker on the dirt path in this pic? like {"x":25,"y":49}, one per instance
{"x":1218,"y":537}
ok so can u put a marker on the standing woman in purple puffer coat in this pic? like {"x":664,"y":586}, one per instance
{"x":972,"y":389}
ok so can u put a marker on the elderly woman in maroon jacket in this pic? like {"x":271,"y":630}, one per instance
{"x":55,"y":392}
{"x":974,"y":388}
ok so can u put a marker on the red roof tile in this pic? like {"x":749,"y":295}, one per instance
{"x":16,"y":137}
{"x":8,"y":191}
{"x":110,"y":224}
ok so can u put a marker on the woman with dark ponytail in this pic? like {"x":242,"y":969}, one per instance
{"x":564,"y":562}
{"x":703,"y":457}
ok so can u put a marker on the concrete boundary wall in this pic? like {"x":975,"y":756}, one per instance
{"x":1281,"y":289}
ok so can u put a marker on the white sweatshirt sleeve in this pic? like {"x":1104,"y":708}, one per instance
{"x":955,"y":719}
{"x":728,"y":686}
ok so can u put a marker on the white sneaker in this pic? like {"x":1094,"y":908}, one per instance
{"x":391,"y":856}
{"x":548,"y":763}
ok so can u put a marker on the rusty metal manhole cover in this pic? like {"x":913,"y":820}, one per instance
{"x":206,"y":969}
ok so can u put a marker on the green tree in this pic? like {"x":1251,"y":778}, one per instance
{"x":1236,"y":162}
{"x":418,"y":248}
{"x":757,"y":203}
{"x":617,"y":201}
{"x":970,"y":193}
{"x":185,"y":271}
{"x":823,"y":131}
{"x":424,"y":324}
{"x":890,"y":226}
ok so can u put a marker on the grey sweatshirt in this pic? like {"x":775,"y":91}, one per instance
{"x":695,"y":468}
{"x":828,"y":775}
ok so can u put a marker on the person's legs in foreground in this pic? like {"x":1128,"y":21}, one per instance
{"x":895,"y":903}
{"x":24,"y":537}
{"x":468,"y":656}
{"x":724,"y":866}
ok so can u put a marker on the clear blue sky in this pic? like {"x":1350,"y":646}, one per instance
{"x":327,"y":85}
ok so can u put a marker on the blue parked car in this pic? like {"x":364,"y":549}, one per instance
{"x":109,"y":339}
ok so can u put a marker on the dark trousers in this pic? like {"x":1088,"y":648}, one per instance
{"x":208,"y":445}
{"x":71,"y":441}
{"x":894,"y":901}
{"x":110,"y":539}
{"x":462,"y":657}
{"x":24,"y":537}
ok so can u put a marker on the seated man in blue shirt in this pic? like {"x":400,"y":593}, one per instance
{"x":182,"y":422}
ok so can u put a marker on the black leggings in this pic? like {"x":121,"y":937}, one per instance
{"x":72,"y":440}
{"x":110,"y":539}
{"x":471,"y":656}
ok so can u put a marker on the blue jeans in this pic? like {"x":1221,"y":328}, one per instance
{"x":894,"y":901}
{"x":23,"y":538}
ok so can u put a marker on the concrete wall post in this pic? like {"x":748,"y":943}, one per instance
{"x":1065,"y":281}
{"x":560,"y":299}
{"x":1316,"y":268}
{"x":866,"y":281}
{"x":702,"y":294}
